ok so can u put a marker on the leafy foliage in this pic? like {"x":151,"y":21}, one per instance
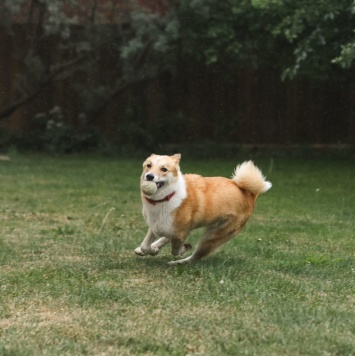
{"x":299,"y":37}
{"x":51,"y":133}
{"x":72,"y":41}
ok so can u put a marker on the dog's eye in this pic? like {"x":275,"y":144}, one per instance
{"x":164,"y":169}
{"x":149,"y":165}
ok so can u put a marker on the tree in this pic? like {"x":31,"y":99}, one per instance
{"x":55,"y":41}
{"x":309,"y":38}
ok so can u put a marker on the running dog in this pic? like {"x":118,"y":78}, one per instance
{"x":184,"y":202}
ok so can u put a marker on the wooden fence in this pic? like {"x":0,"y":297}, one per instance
{"x":253,"y":106}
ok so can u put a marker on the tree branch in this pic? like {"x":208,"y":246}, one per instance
{"x":10,"y":109}
{"x":45,"y":82}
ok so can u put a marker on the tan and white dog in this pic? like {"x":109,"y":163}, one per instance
{"x":186,"y":202}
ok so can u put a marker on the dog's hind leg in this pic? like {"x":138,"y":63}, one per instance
{"x":178,"y":247}
{"x":210,"y":241}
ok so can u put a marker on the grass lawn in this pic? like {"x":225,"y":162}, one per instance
{"x":70,"y":283}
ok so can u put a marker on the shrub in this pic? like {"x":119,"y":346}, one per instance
{"x":51,"y":133}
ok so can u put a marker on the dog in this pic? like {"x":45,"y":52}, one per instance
{"x":186,"y":202}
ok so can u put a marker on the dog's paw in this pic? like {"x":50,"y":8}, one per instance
{"x":153,"y":250}
{"x":187,"y":247}
{"x":141,"y":251}
{"x":138,"y":251}
{"x":181,"y":262}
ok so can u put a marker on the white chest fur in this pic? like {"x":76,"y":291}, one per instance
{"x":160,"y":216}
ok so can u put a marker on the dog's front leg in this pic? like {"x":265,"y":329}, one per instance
{"x":157,"y":245}
{"x":146,"y":246}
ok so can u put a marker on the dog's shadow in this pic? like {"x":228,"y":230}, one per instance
{"x":218,"y":261}
{"x":160,"y":264}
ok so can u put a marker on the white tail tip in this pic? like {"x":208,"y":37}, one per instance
{"x":249,"y":177}
{"x":267,"y":186}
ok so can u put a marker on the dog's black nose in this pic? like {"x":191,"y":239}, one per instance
{"x":149,"y":176}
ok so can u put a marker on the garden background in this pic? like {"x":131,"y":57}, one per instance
{"x":118,"y":75}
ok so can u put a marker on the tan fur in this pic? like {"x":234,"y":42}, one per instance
{"x":221,"y":205}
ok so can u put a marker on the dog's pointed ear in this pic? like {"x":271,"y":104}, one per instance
{"x":176,"y":157}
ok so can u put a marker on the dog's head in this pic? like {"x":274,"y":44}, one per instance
{"x":162,"y":170}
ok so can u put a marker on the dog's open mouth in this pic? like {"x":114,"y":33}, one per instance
{"x":159,"y":184}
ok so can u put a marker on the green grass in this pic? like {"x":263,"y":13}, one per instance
{"x":71,"y":285}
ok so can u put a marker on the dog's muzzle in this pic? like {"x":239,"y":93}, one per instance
{"x":150,"y":177}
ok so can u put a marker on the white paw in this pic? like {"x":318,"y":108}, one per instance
{"x":138,"y":251}
{"x":180,"y":262}
{"x":153,"y":250}
{"x":143,"y":251}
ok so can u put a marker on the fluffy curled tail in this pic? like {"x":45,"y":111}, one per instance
{"x":249,"y":177}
